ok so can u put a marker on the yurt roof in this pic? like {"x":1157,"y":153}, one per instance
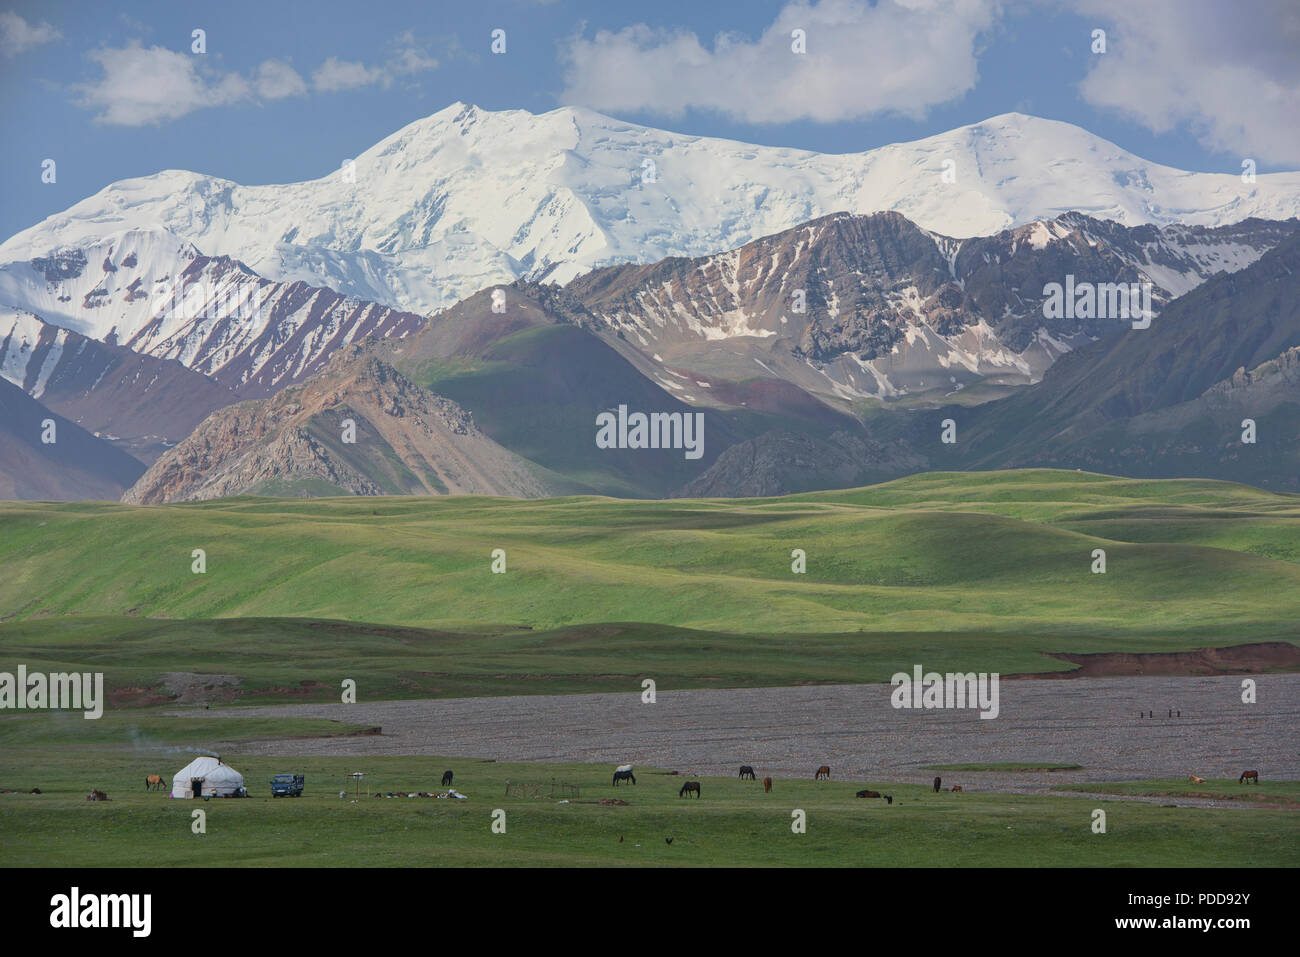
{"x":203,"y":766}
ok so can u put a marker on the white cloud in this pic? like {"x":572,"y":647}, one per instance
{"x":276,"y":79}
{"x":898,"y":56}
{"x":142,"y":85}
{"x":408,"y":58}
{"x":335,"y":74}
{"x":17,"y":35}
{"x":1230,"y":73}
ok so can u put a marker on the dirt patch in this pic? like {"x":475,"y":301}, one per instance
{"x":135,"y":697}
{"x":303,"y":688}
{"x":186,"y":687}
{"x":1230,"y":660}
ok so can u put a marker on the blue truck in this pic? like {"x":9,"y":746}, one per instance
{"x":287,"y":785}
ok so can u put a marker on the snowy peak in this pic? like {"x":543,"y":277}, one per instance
{"x":465,"y":198}
{"x":102,"y":287}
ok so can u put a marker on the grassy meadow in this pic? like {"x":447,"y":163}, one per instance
{"x":733,"y":823}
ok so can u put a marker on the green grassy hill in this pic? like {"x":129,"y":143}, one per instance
{"x":985,"y":569}
{"x":958,"y":550}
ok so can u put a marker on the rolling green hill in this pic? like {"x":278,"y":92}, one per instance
{"x":962,"y":568}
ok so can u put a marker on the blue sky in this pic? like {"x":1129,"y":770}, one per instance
{"x":284,"y":91}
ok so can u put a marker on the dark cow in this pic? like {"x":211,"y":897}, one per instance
{"x":1248,"y":776}
{"x":623,"y":776}
{"x":767,"y":785}
{"x":446,"y":778}
{"x":746,"y":772}
{"x":823,"y":772}
{"x":889,"y":798}
{"x":690,"y":787}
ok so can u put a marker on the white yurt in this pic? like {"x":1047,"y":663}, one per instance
{"x":217,"y":779}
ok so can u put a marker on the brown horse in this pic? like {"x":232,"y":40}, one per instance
{"x":1249,"y":776}
{"x":767,"y":785}
{"x":823,"y":772}
{"x":937,"y":782}
{"x":690,"y":787}
{"x":1193,"y":779}
{"x":956,"y":787}
{"x":153,"y":782}
{"x":96,"y":795}
{"x":876,"y":794}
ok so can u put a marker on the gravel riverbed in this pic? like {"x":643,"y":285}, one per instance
{"x":789,"y":732}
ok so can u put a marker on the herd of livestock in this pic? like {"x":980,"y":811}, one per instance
{"x":623,"y":774}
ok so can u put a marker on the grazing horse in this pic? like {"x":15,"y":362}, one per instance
{"x":690,"y":787}
{"x":956,"y":787}
{"x":823,"y":772}
{"x":153,"y":782}
{"x":623,"y":776}
{"x":876,"y":794}
{"x":767,"y":785}
{"x":446,"y":778}
{"x":1249,"y":776}
{"x":1195,"y":780}
{"x":746,"y":772}
{"x":937,"y":782}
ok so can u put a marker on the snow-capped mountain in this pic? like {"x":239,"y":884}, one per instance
{"x":156,"y":294}
{"x":466,"y":198}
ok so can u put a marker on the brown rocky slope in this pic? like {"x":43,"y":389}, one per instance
{"x":407,"y":441}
